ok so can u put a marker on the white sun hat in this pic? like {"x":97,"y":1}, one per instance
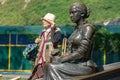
{"x":49,"y":17}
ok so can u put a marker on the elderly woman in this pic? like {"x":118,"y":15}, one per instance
{"x":78,"y":61}
{"x":50,"y":34}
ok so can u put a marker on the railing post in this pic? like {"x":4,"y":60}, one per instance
{"x":104,"y":56}
{"x":9,"y":51}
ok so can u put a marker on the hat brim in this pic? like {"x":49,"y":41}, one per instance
{"x":49,"y":21}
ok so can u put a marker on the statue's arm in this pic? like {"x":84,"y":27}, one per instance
{"x":87,"y":35}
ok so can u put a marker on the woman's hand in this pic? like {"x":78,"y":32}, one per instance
{"x":37,"y":40}
{"x":52,"y":24}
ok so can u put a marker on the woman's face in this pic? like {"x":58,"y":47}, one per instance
{"x":46,"y":24}
{"x":75,"y":15}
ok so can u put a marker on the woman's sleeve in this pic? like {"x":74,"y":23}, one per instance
{"x":55,"y":35}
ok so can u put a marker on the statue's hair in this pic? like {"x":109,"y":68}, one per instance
{"x":82,"y":8}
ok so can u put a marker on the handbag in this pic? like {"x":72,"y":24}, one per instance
{"x":30,"y":52}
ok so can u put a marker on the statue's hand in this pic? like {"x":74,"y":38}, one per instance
{"x":61,"y":59}
{"x":56,"y":60}
{"x":55,"y":52}
{"x":64,"y":59}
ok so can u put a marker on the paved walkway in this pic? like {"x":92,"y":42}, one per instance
{"x":14,"y":74}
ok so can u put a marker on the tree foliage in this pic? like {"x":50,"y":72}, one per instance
{"x":106,"y":40}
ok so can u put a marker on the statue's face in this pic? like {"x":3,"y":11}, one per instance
{"x":75,"y":14}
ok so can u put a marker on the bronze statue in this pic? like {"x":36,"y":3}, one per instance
{"x":78,"y":60}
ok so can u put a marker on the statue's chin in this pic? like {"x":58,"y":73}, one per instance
{"x":73,"y":21}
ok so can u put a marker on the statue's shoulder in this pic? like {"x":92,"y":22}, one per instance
{"x":89,"y":26}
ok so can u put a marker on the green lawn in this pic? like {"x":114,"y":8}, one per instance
{"x":12,"y":13}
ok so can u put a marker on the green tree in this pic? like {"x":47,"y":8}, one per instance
{"x":106,"y":41}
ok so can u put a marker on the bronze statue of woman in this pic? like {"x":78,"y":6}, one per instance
{"x":78,"y":61}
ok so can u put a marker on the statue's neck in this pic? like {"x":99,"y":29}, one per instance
{"x":80,"y":22}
